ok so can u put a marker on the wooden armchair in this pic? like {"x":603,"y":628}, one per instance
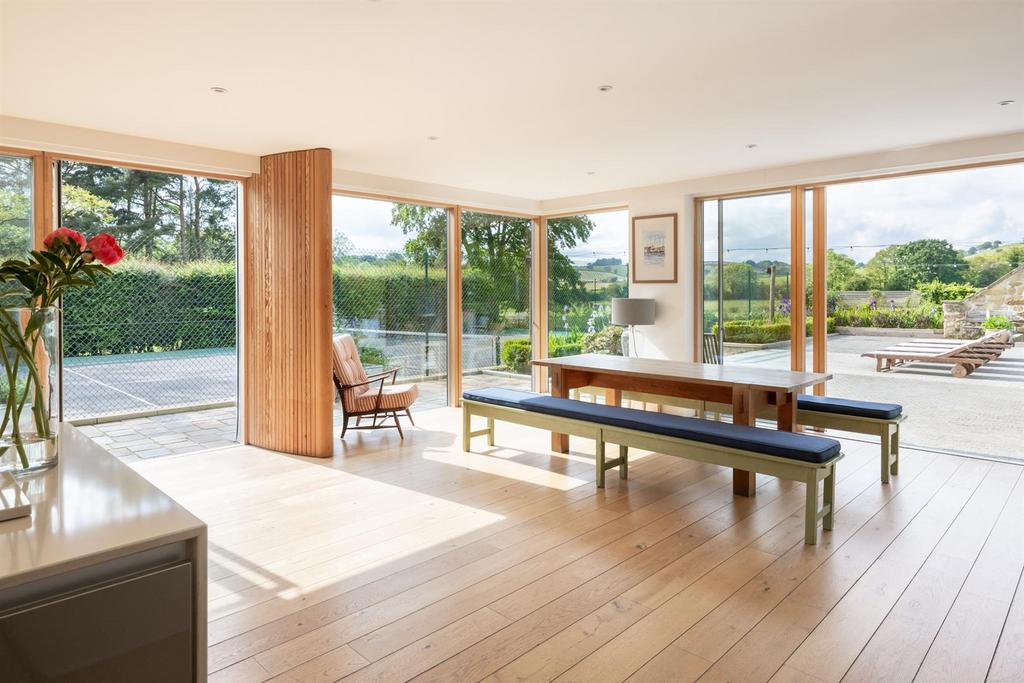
{"x":368,"y":396}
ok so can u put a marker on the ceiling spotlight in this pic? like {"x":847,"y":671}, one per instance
{"x":433,"y":137}
{"x":591,"y":172}
{"x":218,"y":89}
{"x":604,"y":88}
{"x":1006,"y":103}
{"x":752,"y":145}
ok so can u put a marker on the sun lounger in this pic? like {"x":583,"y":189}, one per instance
{"x":965,"y":355}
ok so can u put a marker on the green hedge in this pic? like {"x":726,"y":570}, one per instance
{"x":924,"y":317}
{"x":146,"y":306}
{"x":764,"y":332}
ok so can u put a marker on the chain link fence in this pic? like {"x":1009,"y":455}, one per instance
{"x":151,"y":338}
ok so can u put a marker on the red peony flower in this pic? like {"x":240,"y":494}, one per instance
{"x":105,"y":248}
{"x":62,"y":236}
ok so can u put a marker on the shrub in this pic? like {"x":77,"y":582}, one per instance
{"x":370,"y":355}
{"x":936,"y":292}
{"x":515,"y":354}
{"x":608,"y":340}
{"x":998,"y":322}
{"x":923,"y":317}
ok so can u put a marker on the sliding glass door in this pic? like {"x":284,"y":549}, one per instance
{"x":496,"y":310}
{"x":747,"y":303}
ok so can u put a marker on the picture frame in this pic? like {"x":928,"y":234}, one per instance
{"x":654,"y":255}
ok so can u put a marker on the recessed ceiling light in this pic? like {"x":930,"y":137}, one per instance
{"x":604,"y":88}
{"x":752,"y":145}
{"x":218,"y":89}
{"x":1006,"y":103}
{"x":433,"y":137}
{"x":591,"y":172}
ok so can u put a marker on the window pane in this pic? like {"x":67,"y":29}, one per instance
{"x":756,"y":291}
{"x":920,"y":262}
{"x":15,"y":206}
{"x":495,"y":300}
{"x":588,"y":266}
{"x":159,"y":334}
{"x":711,"y":344}
{"x":390,"y":289}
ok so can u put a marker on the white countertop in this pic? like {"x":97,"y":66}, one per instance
{"x":89,"y":508}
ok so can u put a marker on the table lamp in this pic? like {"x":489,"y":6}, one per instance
{"x":632,"y":312}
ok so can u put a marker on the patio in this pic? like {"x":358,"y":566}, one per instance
{"x":979,"y":414}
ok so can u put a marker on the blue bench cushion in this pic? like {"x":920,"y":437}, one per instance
{"x":846,"y":406}
{"x":813,"y":449}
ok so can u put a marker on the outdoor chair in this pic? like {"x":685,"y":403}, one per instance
{"x":369,"y":397}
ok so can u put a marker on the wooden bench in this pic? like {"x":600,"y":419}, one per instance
{"x":796,"y":457}
{"x":823,"y":412}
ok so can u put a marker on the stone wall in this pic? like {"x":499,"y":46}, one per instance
{"x":1005,"y":296}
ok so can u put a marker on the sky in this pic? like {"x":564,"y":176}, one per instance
{"x":964,"y":207}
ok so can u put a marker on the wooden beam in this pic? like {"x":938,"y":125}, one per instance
{"x":454,"y":255}
{"x":820,"y":292}
{"x":289,"y":394}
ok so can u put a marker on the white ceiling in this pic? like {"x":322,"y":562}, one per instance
{"x":510,"y":88}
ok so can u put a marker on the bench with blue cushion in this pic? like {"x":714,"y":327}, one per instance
{"x":862,"y":417}
{"x":788,"y":455}
{"x":824,"y":412}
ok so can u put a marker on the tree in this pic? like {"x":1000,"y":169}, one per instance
{"x":499,"y":246}
{"x":986,"y":267}
{"x":840,"y":271}
{"x":904,"y":266}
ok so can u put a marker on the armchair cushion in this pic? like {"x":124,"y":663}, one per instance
{"x":394,"y":397}
{"x":348,"y":368}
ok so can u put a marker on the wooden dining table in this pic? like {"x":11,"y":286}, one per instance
{"x":749,"y":389}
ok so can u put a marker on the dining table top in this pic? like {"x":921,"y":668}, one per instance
{"x":730,"y":374}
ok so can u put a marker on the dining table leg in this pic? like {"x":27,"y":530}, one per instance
{"x":786,"y":403}
{"x":559,"y":388}
{"x":744,"y":483}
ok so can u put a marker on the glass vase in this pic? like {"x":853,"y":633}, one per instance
{"x":28,"y":386}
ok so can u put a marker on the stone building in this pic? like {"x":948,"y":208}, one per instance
{"x":1005,"y":296}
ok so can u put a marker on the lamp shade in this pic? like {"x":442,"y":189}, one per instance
{"x":632,"y":311}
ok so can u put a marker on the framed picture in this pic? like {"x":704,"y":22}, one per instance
{"x":655,"y":257}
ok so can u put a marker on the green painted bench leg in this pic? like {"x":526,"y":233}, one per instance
{"x":490,"y":431}
{"x":886,"y":444}
{"x":465,"y":427}
{"x":895,"y":447}
{"x":599,"y":459}
{"x":829,"y":496}
{"x":624,"y":467}
{"x":811,"y":510}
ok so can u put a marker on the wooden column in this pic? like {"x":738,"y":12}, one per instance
{"x":539,"y":301}
{"x":455,"y":307}
{"x":797,"y":282}
{"x":820,"y":273}
{"x":289,"y":393}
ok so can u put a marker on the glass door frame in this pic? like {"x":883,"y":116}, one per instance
{"x":797,"y":277}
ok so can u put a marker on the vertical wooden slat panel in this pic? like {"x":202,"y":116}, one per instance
{"x":797,"y":282}
{"x":288,"y":389}
{"x":820,"y":275}
{"x":455,"y":306}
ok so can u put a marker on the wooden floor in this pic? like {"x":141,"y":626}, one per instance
{"x":412,"y":560}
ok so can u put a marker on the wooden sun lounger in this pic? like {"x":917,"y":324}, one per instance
{"x":965,"y":355}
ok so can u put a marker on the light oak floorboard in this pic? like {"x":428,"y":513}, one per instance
{"x":400,"y":560}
